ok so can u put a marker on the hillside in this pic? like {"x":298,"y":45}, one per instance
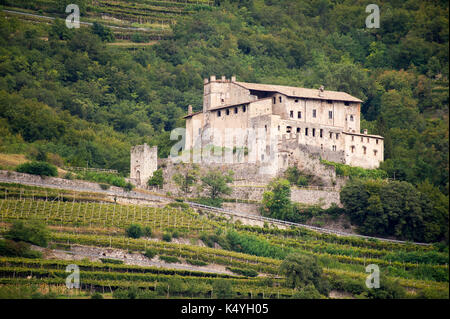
{"x":83,"y":97}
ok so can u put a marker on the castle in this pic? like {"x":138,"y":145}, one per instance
{"x":289,"y":122}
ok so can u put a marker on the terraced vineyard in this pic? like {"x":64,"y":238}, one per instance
{"x":147,"y":17}
{"x":78,"y":221}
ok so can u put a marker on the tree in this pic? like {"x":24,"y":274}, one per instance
{"x":38,"y":168}
{"x":277,"y":201}
{"x":157,"y":179}
{"x":216,"y":183}
{"x":302,"y":270}
{"x":222,"y":289}
{"x":134,"y":231}
{"x":186,"y":179}
{"x":33,"y":232}
{"x":103,"y":32}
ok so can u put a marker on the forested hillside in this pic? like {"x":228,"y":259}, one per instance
{"x":66,"y":92}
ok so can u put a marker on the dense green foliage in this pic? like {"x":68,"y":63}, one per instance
{"x":354,"y":171}
{"x":302,"y":270}
{"x":215,"y":182}
{"x":397,"y":209}
{"x":12,"y":248}
{"x":186,"y":178}
{"x":37,"y":168}
{"x":157,"y":179}
{"x":134,"y":231}
{"x":33,"y":232}
{"x":108,"y":178}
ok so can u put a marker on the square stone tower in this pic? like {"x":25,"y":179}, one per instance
{"x":143,"y":162}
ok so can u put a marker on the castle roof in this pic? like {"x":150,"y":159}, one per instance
{"x":300,"y":92}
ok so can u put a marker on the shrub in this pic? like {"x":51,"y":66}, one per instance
{"x":157,"y":179}
{"x":33,"y":232}
{"x":196,"y":262}
{"x":11,"y":248}
{"x":243,"y":272}
{"x":308,"y":292}
{"x":147,"y":231}
{"x":134,"y":231}
{"x":169,"y":259}
{"x":97,"y":295}
{"x":150,"y":253}
{"x":175,"y":234}
{"x":104,"y":186}
{"x":38,"y":168}
{"x":111,"y":261}
{"x":128,"y":187}
{"x":167,"y":237}
{"x":214,"y":202}
{"x":222,"y":289}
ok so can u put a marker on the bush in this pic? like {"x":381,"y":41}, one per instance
{"x":104,"y":186}
{"x":167,"y":237}
{"x":38,"y":168}
{"x":9,"y":248}
{"x":111,"y":261}
{"x":169,"y":259}
{"x":196,"y":262}
{"x":134,"y":231}
{"x":243,"y":272}
{"x":128,"y":187}
{"x":308,"y":292}
{"x":175,"y":234}
{"x":214,"y":202}
{"x":222,"y":289}
{"x":147,"y":231}
{"x":150,"y":253}
{"x":97,"y":295}
{"x":157,"y":179}
{"x":34,"y":232}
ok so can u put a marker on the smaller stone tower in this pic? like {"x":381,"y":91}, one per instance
{"x":143,"y":162}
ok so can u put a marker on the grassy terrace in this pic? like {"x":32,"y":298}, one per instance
{"x":87,"y":219}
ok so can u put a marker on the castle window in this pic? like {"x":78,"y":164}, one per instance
{"x":306,"y":131}
{"x":314,"y":113}
{"x":353,"y":138}
{"x":329,"y":102}
{"x":362,"y":139}
{"x":288,"y":129}
{"x":244,"y":108}
{"x":375,"y":152}
{"x":376,"y":141}
{"x":280,"y":99}
{"x":314,"y":132}
{"x":299,"y":115}
{"x":298,"y":130}
{"x":296,"y":100}
{"x":364,"y":150}
{"x":337,"y":136}
{"x":330,"y":114}
{"x":334,"y":148}
{"x":265,"y":127}
{"x":235,"y":110}
{"x":351,"y":118}
{"x":368,"y":140}
{"x":228,"y":111}
{"x":346,"y":103}
{"x":219,"y":114}
{"x":331,"y":135}
{"x":353,"y":148}
{"x":291,"y":114}
{"x":321,"y":133}
{"x":278,"y":127}
{"x":321,"y":146}
{"x":274,"y":100}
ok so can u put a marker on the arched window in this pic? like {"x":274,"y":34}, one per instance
{"x":351,"y":118}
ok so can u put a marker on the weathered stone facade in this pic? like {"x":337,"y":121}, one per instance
{"x":285,"y":121}
{"x":143,"y":163}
